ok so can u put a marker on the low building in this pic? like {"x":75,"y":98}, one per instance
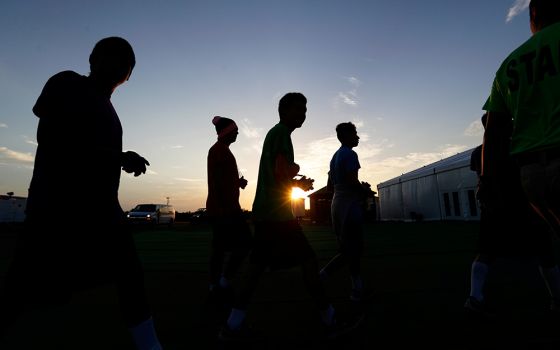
{"x":444,"y":190}
{"x":12,"y":208}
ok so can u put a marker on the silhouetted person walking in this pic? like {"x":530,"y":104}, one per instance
{"x":230,"y":231}
{"x":508,"y":228}
{"x":347,"y":209}
{"x":279,"y":242}
{"x":76,"y":236}
{"x":524,"y":119}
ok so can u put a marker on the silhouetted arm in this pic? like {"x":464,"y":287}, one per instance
{"x":285,"y":171}
{"x":496,"y":144}
{"x":132,"y":162}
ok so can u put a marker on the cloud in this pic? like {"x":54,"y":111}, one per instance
{"x":151,"y":172}
{"x":9,"y":154}
{"x":249,"y":131}
{"x":184,"y":179}
{"x":30,"y":141}
{"x":177,"y":147}
{"x":394,"y":166}
{"x":346,"y":98}
{"x":517,"y":7}
{"x":3,"y":125}
{"x":474,"y":129}
{"x":354,"y":81}
{"x":349,"y":97}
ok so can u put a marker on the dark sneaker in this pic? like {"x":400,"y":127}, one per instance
{"x":244,"y":334}
{"x":477,"y":307}
{"x":343,"y":326}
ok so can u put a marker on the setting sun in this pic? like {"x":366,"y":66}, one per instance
{"x":298,"y":193}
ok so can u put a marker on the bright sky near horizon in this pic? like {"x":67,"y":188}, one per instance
{"x":412,"y":75}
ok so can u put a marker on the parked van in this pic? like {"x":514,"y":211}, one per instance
{"x":152,"y":214}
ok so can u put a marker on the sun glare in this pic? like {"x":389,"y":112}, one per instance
{"x":298,"y":193}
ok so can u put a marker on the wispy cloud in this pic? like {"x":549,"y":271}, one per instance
{"x":354,"y":81}
{"x":184,"y":179}
{"x":249,"y":130}
{"x":151,"y":172}
{"x":30,"y":141}
{"x":474,"y":129}
{"x":177,"y":147}
{"x":517,"y":7}
{"x":395,"y":166}
{"x":3,"y":125}
{"x":350,"y":96}
{"x":9,"y":154}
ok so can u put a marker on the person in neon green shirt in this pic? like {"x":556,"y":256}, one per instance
{"x":524,"y":120}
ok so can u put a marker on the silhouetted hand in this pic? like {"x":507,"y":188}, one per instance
{"x":242,"y":182}
{"x":305,"y":183}
{"x":132,"y":162}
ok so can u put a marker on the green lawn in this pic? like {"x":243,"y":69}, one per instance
{"x":418,"y":272}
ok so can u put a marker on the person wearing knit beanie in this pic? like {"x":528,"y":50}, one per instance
{"x":230,"y":231}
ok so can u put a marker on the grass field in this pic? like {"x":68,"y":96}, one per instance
{"x":418,"y":273}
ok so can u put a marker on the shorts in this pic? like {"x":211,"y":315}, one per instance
{"x":231,"y":234}
{"x":280,"y":245}
{"x":518,"y":233}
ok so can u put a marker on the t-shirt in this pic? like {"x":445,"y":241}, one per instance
{"x":272,"y":198}
{"x":223,"y":181}
{"x":527,"y":87}
{"x":344,"y":160}
{"x":78,"y":160}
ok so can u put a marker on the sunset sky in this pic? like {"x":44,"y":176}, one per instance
{"x":412,"y":75}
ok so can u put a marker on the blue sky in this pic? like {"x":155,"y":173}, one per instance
{"x":412,"y":75}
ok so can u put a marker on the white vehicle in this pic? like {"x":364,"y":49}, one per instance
{"x":152,"y":214}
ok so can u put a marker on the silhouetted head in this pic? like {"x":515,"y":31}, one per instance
{"x":543,"y":13}
{"x":292,"y":108}
{"x":347,"y":134}
{"x":112,"y":61}
{"x":226,"y":129}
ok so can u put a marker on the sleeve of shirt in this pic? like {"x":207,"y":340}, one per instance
{"x":52,"y":94}
{"x":495,"y":102}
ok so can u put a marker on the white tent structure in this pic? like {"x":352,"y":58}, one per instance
{"x":444,"y":190}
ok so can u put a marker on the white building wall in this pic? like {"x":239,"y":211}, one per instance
{"x":440,"y":191}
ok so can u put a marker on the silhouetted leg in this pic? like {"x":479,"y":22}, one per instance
{"x":241,"y":247}
{"x":337,"y":262}
{"x":313,"y":283}
{"x":249,"y":286}
{"x":216,"y":264}
{"x":130,"y":282}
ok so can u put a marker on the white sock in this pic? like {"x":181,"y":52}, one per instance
{"x":357,"y":282}
{"x":224,"y":283}
{"x":479,"y":271}
{"x":144,"y":336}
{"x":551,"y":278}
{"x":328,"y":315}
{"x":236,"y":318}
{"x":323,"y":275}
